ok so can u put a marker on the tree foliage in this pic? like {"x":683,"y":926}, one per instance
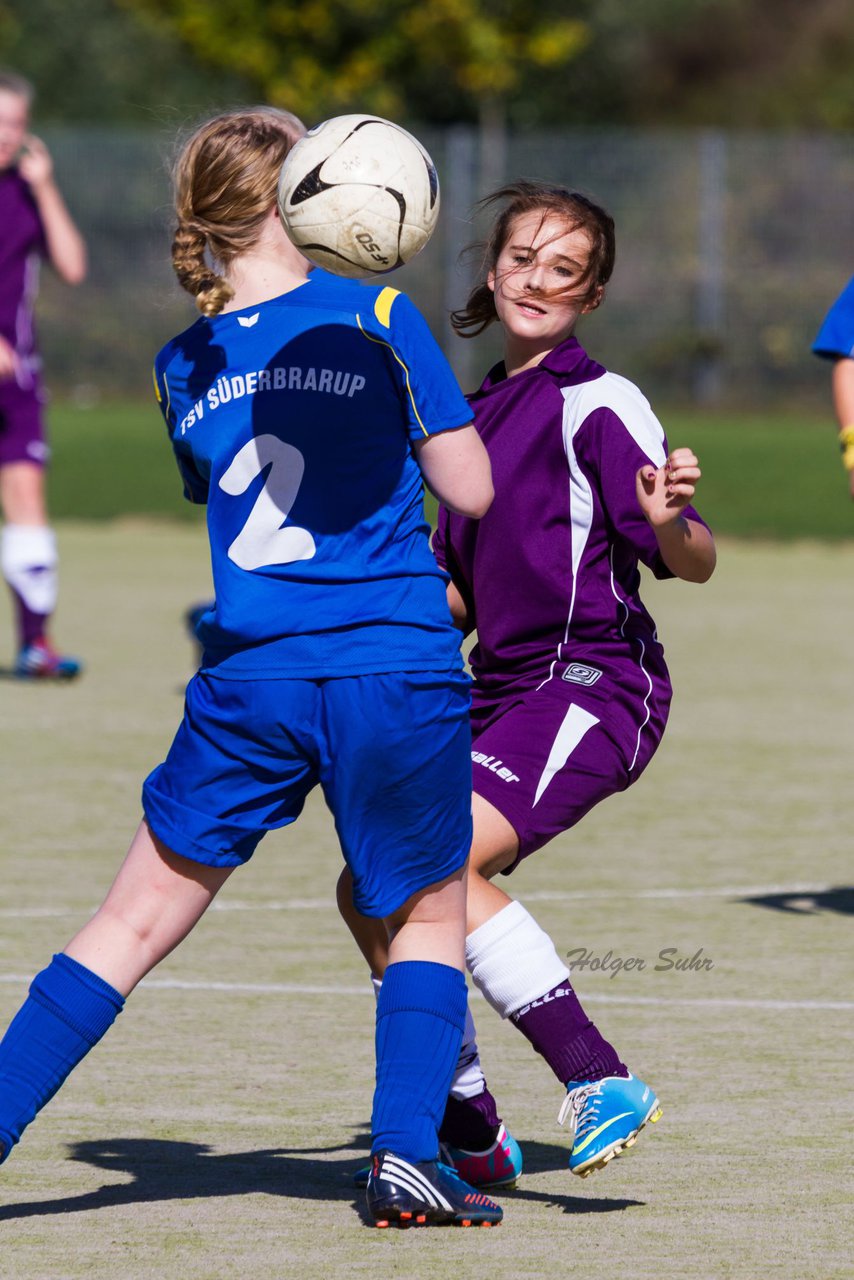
{"x":739,"y":63}
{"x":439,"y":59}
{"x":94,"y":61}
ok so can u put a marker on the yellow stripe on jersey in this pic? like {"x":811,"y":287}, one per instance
{"x":156,"y":388}
{"x":383,"y":305}
{"x":381,"y":343}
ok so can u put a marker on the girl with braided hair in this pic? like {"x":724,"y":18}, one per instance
{"x":304,"y":411}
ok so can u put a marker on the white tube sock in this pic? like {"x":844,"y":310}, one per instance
{"x":28,"y":560}
{"x":512,"y":961}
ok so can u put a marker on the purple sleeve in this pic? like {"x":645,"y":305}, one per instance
{"x":440,"y":539}
{"x":612,"y":453}
{"x":447,"y":561}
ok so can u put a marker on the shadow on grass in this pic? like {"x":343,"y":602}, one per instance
{"x":9,"y":673}
{"x":550,"y":1157}
{"x":839,"y":899}
{"x":161,"y":1170}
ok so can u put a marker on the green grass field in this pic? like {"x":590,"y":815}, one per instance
{"x":214,"y":1131}
{"x":764,"y":476}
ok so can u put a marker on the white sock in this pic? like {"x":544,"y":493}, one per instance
{"x":512,"y":961}
{"x":469,"y":1079}
{"x":28,"y":559}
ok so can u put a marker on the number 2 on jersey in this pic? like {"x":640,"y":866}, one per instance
{"x":262,"y":540}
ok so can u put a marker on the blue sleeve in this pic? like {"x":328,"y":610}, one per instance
{"x":835,"y":338}
{"x":195,"y":484}
{"x":430,"y":394}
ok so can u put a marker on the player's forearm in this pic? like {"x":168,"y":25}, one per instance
{"x":65,"y":246}
{"x":456,"y":470}
{"x":843,"y":404}
{"x":687,"y":548}
{"x":843,"y":391}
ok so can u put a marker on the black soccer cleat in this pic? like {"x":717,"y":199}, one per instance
{"x":427,"y":1194}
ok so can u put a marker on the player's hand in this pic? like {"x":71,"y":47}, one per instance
{"x":7,"y":360}
{"x":664,"y":492}
{"x":35,"y":164}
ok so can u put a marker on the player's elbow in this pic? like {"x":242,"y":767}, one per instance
{"x":72,"y":267}
{"x":482,"y":500}
{"x":74,"y":273}
{"x":473,"y":502}
{"x":702,"y":568}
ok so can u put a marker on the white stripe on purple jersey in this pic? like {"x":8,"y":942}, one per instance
{"x":551,"y":574}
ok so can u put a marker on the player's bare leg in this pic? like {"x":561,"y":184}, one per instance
{"x":22,"y":493}
{"x":515,"y":965}
{"x":153,"y":903}
{"x":420,"y":1017}
{"x":474,"y":1139}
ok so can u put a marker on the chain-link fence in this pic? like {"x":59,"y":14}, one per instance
{"x":730,"y":248}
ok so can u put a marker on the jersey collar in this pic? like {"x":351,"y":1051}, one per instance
{"x":567,"y":360}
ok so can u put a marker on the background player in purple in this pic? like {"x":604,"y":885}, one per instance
{"x":835,"y":341}
{"x":571,"y":691}
{"x":35,"y":224}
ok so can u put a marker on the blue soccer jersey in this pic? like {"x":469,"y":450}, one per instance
{"x":835,"y":338}
{"x":294,"y":420}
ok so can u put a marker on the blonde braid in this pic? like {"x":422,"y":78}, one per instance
{"x":191,"y":266}
{"x":225,"y":179}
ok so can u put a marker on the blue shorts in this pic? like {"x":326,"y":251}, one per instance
{"x":391,"y":752}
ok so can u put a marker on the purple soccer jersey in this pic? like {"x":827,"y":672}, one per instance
{"x":22,"y":245}
{"x":550,"y":575}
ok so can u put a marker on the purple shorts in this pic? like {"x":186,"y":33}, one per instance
{"x":543,"y":759}
{"x":22,"y":432}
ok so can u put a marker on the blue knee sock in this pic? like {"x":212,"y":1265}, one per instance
{"x":421,"y":1013}
{"x":67,"y":1011}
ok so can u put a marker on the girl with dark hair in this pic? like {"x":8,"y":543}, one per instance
{"x":571,"y":692}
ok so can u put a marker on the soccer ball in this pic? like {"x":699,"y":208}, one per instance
{"x":358,"y":195}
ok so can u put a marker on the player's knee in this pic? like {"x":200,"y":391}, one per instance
{"x":487,"y":860}
{"x":344,"y":895}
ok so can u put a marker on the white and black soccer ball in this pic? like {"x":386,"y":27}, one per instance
{"x":358,"y":195}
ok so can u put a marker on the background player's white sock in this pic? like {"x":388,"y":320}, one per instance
{"x":469,"y":1079}
{"x":28,"y":560}
{"x":512,"y":961}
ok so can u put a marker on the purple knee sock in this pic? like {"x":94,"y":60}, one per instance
{"x":561,"y":1031}
{"x":470,"y":1123}
{"x":31,"y":625}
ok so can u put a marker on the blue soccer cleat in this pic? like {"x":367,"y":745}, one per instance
{"x":428,"y":1194}
{"x":499,"y":1166}
{"x":605,"y":1118}
{"x":39,"y":661}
